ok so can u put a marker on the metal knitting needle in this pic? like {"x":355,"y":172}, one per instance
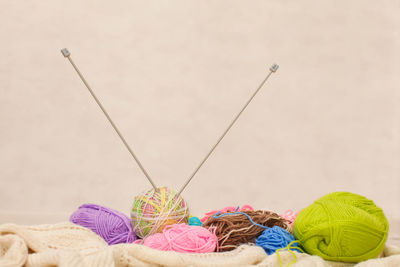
{"x":67,"y":54}
{"x":272,"y":69}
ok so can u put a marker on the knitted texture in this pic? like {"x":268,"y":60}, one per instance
{"x":342,"y":226}
{"x":69,"y":245}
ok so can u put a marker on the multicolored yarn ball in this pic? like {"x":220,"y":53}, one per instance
{"x":183,"y":238}
{"x":342,"y":226}
{"x":243,"y":227}
{"x":113,"y":226}
{"x":273,"y":239}
{"x":226,"y":209}
{"x":155,"y":209}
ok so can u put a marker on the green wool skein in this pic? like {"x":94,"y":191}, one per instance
{"x":342,"y":226}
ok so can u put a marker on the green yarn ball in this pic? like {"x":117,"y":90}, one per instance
{"x":342,"y":226}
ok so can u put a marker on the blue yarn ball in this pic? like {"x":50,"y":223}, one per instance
{"x":274,"y":238}
{"x":195,"y":221}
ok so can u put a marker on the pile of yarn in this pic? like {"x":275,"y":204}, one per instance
{"x":340,"y":226}
{"x":154,"y":209}
{"x":236,"y":228}
{"x":183,"y":238}
{"x":113,"y":226}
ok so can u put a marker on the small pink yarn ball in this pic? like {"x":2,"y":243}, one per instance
{"x":224,"y":210}
{"x":183,"y":238}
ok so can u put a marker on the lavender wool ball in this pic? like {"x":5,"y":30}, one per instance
{"x":113,"y":226}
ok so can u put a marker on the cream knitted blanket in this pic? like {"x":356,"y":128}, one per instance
{"x":69,"y":245}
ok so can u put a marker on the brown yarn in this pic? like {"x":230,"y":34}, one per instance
{"x":236,"y":229}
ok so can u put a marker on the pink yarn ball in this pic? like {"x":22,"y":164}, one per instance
{"x":183,"y":238}
{"x":289,"y":215}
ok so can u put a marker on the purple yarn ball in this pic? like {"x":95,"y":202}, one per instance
{"x":113,"y":226}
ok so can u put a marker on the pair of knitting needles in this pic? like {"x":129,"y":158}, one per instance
{"x":272,"y":69}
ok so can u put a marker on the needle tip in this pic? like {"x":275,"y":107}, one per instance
{"x":65,"y":52}
{"x":274,"y":67}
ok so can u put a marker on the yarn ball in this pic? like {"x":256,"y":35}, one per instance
{"x":289,"y":215}
{"x":274,"y":238}
{"x":154,"y":209}
{"x":113,"y":226}
{"x":226,"y":209}
{"x":195,"y":221}
{"x":183,"y":238}
{"x":243,"y":227}
{"x":342,"y":226}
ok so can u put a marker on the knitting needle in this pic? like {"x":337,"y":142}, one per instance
{"x":272,"y":69}
{"x":67,"y":54}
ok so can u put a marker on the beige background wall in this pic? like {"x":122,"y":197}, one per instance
{"x":172,"y":74}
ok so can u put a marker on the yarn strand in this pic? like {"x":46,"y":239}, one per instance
{"x":288,"y":248}
{"x":218,"y":215}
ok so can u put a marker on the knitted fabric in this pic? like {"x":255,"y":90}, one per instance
{"x":71,"y":245}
